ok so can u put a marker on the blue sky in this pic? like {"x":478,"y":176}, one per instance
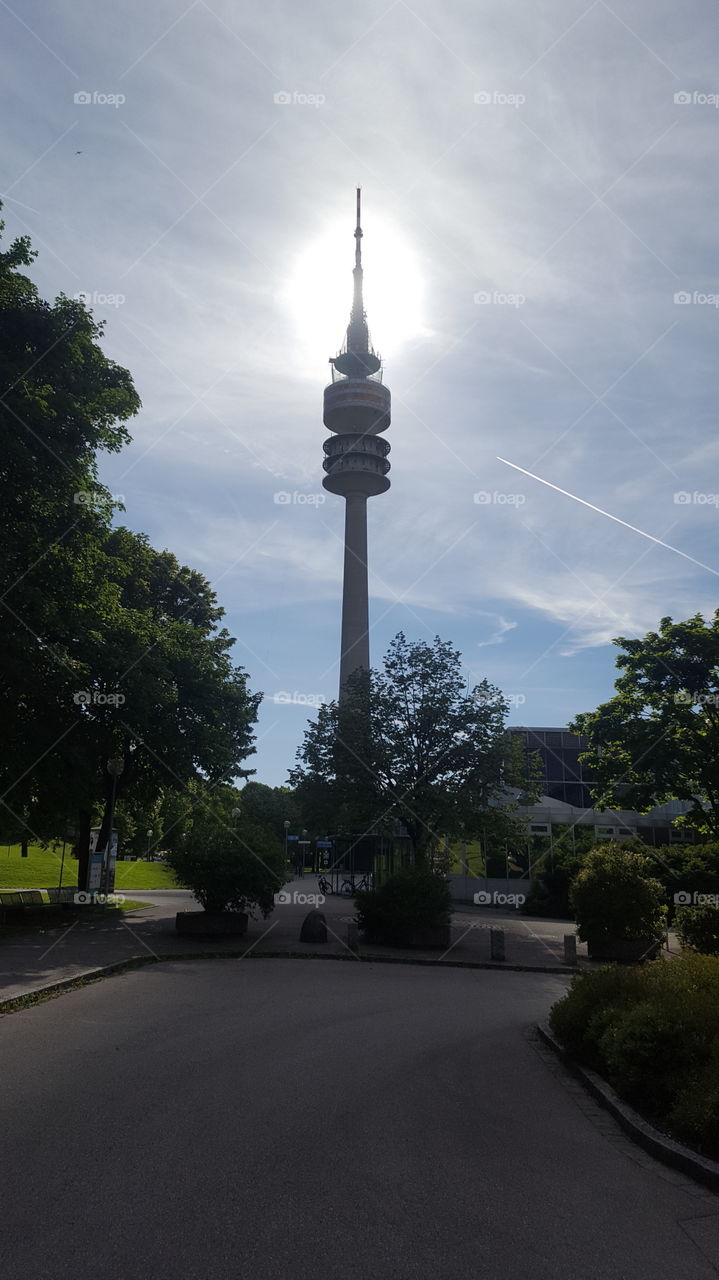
{"x":539,"y":184}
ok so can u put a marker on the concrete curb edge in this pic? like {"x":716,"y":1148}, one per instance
{"x":652,"y":1140}
{"x":50,"y":989}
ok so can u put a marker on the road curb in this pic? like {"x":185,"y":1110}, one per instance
{"x":652,"y":1140}
{"x":51,"y":989}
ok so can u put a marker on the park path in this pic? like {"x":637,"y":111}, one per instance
{"x":289,"y":1120}
{"x":40,"y":956}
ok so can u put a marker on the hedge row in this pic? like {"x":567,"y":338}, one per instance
{"x":653,"y":1033}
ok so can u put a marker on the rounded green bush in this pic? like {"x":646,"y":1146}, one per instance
{"x":615,"y":895}
{"x":407,"y":900}
{"x":698,"y":928}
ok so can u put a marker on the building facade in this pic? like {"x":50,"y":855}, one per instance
{"x":566,"y":794}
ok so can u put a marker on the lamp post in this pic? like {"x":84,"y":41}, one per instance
{"x":149,"y":837}
{"x":286,"y":825}
{"x":115,"y":767}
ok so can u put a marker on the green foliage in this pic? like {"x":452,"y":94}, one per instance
{"x":615,"y":895}
{"x":110,"y":648}
{"x":230,"y":864}
{"x":686,"y":868}
{"x":271,"y":807}
{"x":554,"y":866}
{"x":579,"y":1020}
{"x":409,"y":744}
{"x":698,"y":928}
{"x":406,"y":901}
{"x":653,"y":1033}
{"x":657,"y":739}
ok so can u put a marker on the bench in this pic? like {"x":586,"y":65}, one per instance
{"x":16,"y":902}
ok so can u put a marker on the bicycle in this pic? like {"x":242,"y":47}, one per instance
{"x":325,"y":886}
{"x":350,"y":887}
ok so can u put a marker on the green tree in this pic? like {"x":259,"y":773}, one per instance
{"x":61,"y":401}
{"x":409,"y":744}
{"x":657,"y":739}
{"x":271,"y":807}
{"x":110,"y":648}
{"x":230,"y":863}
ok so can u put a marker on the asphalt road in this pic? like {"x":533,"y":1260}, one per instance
{"x":305,"y":1120}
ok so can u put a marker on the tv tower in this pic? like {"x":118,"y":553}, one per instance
{"x":356,"y":409}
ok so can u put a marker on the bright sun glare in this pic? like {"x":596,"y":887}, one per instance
{"x":320,"y":291}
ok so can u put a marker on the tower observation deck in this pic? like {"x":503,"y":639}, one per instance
{"x":357,"y":409}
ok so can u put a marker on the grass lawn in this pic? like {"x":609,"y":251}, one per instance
{"x":41,"y":870}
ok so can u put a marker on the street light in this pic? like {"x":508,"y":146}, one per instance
{"x":149,"y":837}
{"x":286,"y":825}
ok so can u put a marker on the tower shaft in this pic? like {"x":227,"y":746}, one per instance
{"x":357,"y":410}
{"x":354,"y":648}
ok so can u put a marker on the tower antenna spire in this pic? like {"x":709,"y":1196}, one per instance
{"x":357,"y":358}
{"x":358,"y":233}
{"x":358,"y":315}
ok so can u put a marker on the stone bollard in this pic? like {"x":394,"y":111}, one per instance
{"x":353,"y":937}
{"x":496,"y":944}
{"x":314,"y":927}
{"x":570,"y":948}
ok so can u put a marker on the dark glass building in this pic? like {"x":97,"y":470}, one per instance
{"x":563,"y":777}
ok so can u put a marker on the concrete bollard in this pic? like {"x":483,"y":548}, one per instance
{"x":496,"y":944}
{"x":570,"y":948}
{"x":353,"y":937}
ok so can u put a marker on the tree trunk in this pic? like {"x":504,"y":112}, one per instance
{"x":23,"y":847}
{"x":83,"y":849}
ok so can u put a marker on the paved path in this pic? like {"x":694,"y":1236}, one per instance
{"x":43,"y":955}
{"x":292,"y":1120}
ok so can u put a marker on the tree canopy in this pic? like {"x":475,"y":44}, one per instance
{"x":110,"y":648}
{"x":657,"y":739}
{"x":409,"y":744}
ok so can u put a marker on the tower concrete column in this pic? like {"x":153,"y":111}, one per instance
{"x":355,"y":593}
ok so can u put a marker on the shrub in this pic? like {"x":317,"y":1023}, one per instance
{"x":691,"y":868}
{"x":230,"y":868}
{"x":594,"y":997}
{"x":698,"y":928}
{"x":653,"y":1033}
{"x":614,"y":895}
{"x":408,"y":900}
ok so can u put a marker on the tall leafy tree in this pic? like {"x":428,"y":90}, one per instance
{"x":61,"y":401}
{"x":411,"y":744}
{"x":657,"y":739}
{"x":110,"y":648}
